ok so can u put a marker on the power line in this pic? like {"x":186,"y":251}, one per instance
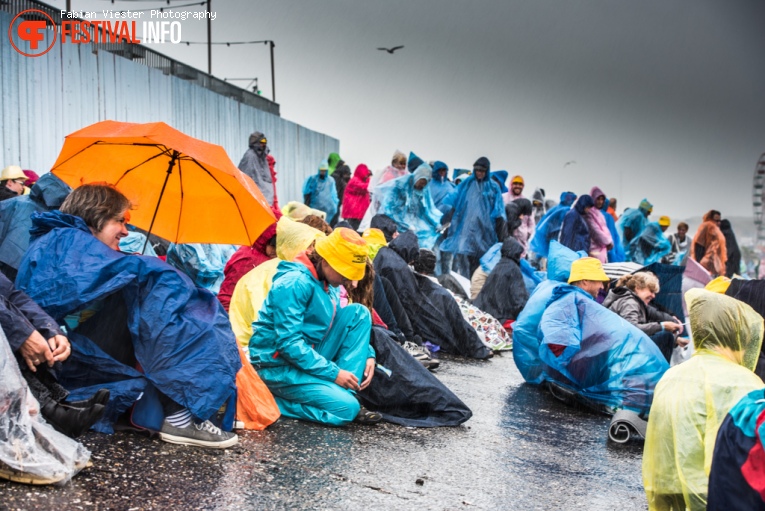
{"x":166,"y":8}
{"x":227,"y":43}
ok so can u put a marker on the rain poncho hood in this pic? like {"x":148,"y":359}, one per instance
{"x":414,"y":162}
{"x":504,"y":294}
{"x":16,"y":216}
{"x":548,"y":228}
{"x":651,"y":246}
{"x":356,"y":199}
{"x":323,"y":192}
{"x":332,"y":160}
{"x":634,"y":219}
{"x":477,"y":206}
{"x":500,"y":176}
{"x":180,"y":333}
{"x":693,"y":398}
{"x":385,"y":224}
{"x":255,"y":165}
{"x":574,"y":232}
{"x":410,"y":208}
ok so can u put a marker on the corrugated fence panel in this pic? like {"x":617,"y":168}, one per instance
{"x":45,"y":98}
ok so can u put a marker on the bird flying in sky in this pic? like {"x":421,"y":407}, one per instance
{"x":391,"y":50}
{"x":568,"y":163}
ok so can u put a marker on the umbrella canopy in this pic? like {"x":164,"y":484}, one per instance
{"x":182,"y":189}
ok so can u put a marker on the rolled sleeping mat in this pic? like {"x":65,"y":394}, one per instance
{"x":626,"y":425}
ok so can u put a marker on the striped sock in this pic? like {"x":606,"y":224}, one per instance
{"x":180,"y":419}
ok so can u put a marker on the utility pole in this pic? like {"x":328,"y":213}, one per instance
{"x":273,"y":75}
{"x":209,"y":38}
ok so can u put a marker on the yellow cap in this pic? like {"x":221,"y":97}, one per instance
{"x":12,"y":172}
{"x":664,"y":221}
{"x":516,"y":179}
{"x":345,"y":251}
{"x":587,"y":268}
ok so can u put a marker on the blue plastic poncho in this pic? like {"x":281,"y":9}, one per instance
{"x":548,"y":228}
{"x":412,"y":210}
{"x":181,"y":334}
{"x":597,"y":354}
{"x":616,"y":254}
{"x":203,"y":262}
{"x":574,"y":232}
{"x":440,"y":188}
{"x":323,"y":191}
{"x":525,"y":340}
{"x":650,"y":246}
{"x":135,"y":242}
{"x":477,"y":204}
{"x":413,"y":162}
{"x":635,"y":220}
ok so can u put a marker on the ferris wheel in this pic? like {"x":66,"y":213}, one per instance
{"x":757,"y":199}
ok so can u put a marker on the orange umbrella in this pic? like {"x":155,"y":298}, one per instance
{"x":182,"y":189}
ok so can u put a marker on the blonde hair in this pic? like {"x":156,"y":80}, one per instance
{"x":639,"y":280}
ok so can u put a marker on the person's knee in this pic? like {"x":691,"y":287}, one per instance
{"x":345,"y":408}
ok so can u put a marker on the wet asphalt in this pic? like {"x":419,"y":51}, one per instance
{"x":521,"y":450}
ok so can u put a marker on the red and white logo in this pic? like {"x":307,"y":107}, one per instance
{"x":30,"y":26}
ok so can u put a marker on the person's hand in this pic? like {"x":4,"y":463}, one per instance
{"x":36,"y":351}
{"x":683,"y":341}
{"x":60,"y":347}
{"x":682,"y":328}
{"x":347,"y":380}
{"x":369,"y":372}
{"x":671,"y":326}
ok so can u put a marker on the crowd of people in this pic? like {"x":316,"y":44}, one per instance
{"x":339,"y":310}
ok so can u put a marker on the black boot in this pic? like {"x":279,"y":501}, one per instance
{"x":70,"y":421}
{"x":99,"y":398}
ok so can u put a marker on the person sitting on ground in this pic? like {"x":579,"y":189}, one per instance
{"x":504,"y":294}
{"x":313,"y":357}
{"x":245,"y":259}
{"x":650,"y":246}
{"x":47,"y":194}
{"x":590,"y":352}
{"x":679,"y":243}
{"x":12,"y":181}
{"x":320,"y":192}
{"x":631,"y":299}
{"x":693,"y":398}
{"x":38,"y":344}
{"x":125,"y":312}
{"x":356,"y":200}
{"x":574,"y":232}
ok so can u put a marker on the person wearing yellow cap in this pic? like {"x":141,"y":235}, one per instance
{"x":312,"y":354}
{"x":516,"y":189}
{"x":664,"y":223}
{"x":12,"y":181}
{"x":587,"y":274}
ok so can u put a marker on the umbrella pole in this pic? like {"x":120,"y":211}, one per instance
{"x":161,"y":193}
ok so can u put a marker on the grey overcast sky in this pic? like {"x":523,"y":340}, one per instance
{"x":657,"y":98}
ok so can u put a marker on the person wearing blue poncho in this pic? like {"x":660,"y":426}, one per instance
{"x":616,"y":254}
{"x":440,"y":186}
{"x":320,"y":192}
{"x":650,"y":246}
{"x":477,"y":219}
{"x":574,"y":232}
{"x":548,"y":228}
{"x":632,"y":223}
{"x":138,"y":327}
{"x":592,"y":352}
{"x":408,"y":202}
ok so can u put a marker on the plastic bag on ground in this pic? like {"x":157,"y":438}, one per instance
{"x":30,"y":450}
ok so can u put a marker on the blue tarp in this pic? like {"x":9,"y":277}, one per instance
{"x":181,"y":334}
{"x":604,"y":359}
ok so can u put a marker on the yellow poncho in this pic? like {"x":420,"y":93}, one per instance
{"x":292,"y":238}
{"x":692,"y":399}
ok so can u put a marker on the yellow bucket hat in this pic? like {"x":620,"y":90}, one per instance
{"x":345,"y":251}
{"x":587,"y":268}
{"x":664,"y":221}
